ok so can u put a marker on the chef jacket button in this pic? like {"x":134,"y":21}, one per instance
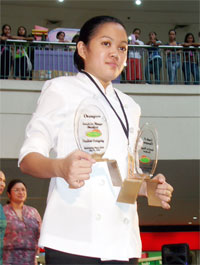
{"x":98,"y":217}
{"x":126,"y":221}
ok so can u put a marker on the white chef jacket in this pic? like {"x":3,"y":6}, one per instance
{"x":86,"y":221}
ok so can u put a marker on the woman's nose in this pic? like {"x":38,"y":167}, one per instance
{"x":114,"y":53}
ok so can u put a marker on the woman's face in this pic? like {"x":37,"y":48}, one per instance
{"x":2,"y":182}
{"x":137,"y":34}
{"x":152,"y":36}
{"x":105,"y":54}
{"x":172,"y":35}
{"x":7,"y":31}
{"x":190,"y":39}
{"x":18,"y":193}
{"x":21,"y":31}
{"x":61,"y":37}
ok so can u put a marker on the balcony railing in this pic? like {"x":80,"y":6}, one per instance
{"x":39,"y":60}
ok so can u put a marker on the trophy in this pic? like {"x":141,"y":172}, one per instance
{"x":92,"y":134}
{"x":141,"y":167}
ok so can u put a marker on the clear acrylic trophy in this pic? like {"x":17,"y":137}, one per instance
{"x":92,"y":134}
{"x":145,"y":162}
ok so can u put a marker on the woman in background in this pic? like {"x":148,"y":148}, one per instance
{"x":60,"y":36}
{"x":134,"y":66}
{"x":23,"y":227}
{"x":2,"y":215}
{"x":173,"y":57}
{"x":6,"y":54}
{"x":22,"y":64}
{"x":190,"y":60}
{"x":154,"y":62}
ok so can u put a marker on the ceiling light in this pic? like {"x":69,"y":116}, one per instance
{"x":189,"y":223}
{"x":194,"y":217}
{"x":60,"y":1}
{"x":138,"y":2}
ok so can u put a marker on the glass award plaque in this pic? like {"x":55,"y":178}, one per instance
{"x":146,"y":151}
{"x":92,"y":134}
{"x":145,"y":162}
{"x":91,"y":128}
{"x":146,"y":158}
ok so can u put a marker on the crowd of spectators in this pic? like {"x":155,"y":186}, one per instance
{"x":189,"y":56}
{"x":144,"y":64}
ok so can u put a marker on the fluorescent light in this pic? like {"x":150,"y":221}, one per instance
{"x":194,"y":217}
{"x":60,"y":1}
{"x":138,"y":2}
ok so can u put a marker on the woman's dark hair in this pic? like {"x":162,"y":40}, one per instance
{"x":58,"y":34}
{"x":3,"y":27}
{"x":187,"y":35}
{"x":25,"y":34}
{"x":75,"y":38}
{"x":136,"y":29}
{"x":86,"y":33}
{"x":171,"y":31}
{"x":12,"y":184}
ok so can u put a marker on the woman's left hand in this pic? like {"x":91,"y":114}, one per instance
{"x":163,"y":191}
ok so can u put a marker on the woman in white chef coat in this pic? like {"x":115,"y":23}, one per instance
{"x":83,"y":223}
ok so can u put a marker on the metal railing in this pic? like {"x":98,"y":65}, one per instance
{"x":39,"y":60}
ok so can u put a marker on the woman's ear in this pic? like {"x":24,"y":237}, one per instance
{"x":8,"y":194}
{"x":81,"y":49}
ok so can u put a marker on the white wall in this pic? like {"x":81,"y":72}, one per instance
{"x":174,"y":111}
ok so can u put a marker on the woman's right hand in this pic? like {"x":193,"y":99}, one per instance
{"x":75,"y":168}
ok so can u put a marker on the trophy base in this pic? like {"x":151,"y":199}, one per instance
{"x":153,"y":200}
{"x":129,"y":190}
{"x":113,"y":169}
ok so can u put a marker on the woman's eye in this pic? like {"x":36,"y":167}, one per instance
{"x":106,"y":43}
{"x":124,"y":49}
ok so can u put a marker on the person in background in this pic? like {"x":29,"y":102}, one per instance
{"x":6,"y":53}
{"x":134,"y":66}
{"x":23,"y":227}
{"x":77,"y":227}
{"x":75,"y":38}
{"x":22,"y":63}
{"x":173,"y":57}
{"x":2,"y":215}
{"x":190,"y":60}
{"x":60,"y":36}
{"x":154,"y":62}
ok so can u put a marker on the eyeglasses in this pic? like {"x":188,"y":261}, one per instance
{"x":18,"y":190}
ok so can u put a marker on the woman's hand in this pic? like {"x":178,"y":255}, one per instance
{"x":75,"y":168}
{"x":3,"y":38}
{"x":163,"y":191}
